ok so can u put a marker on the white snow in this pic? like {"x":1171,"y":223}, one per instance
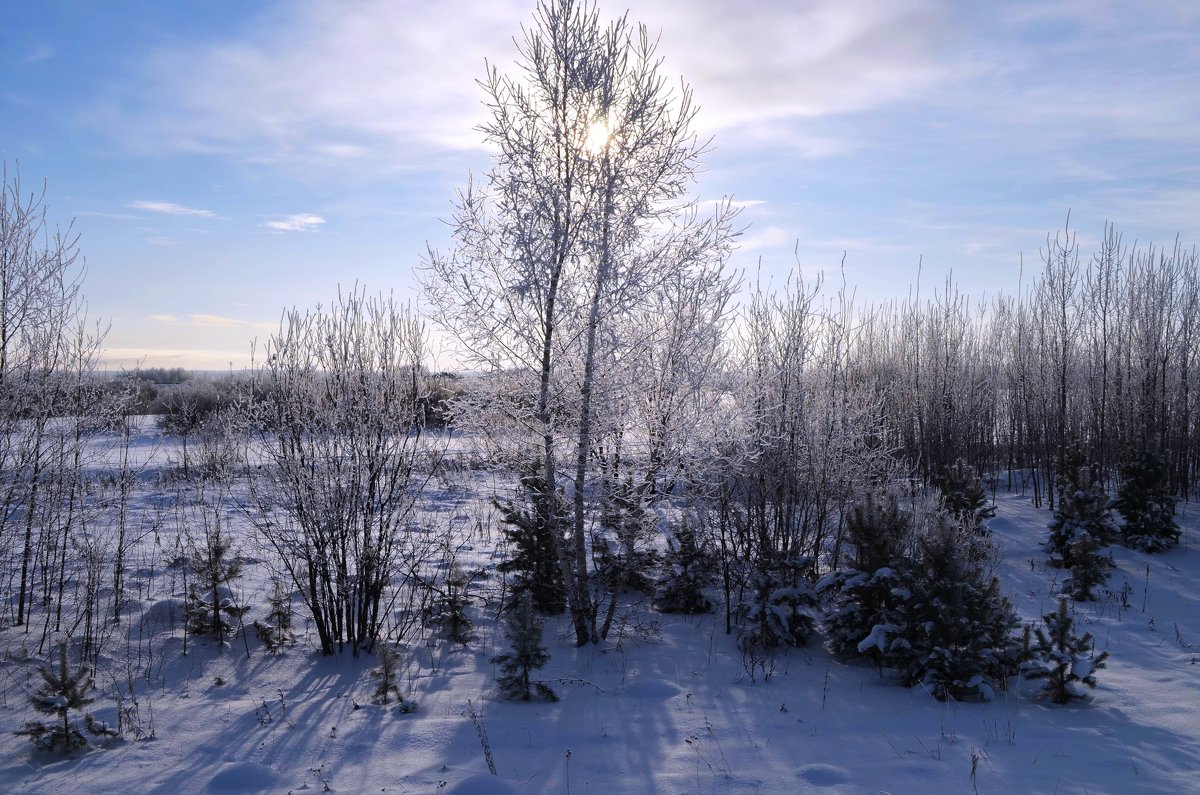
{"x":665,"y":708}
{"x":877,"y":638}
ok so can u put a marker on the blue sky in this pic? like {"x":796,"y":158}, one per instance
{"x":225,"y":160}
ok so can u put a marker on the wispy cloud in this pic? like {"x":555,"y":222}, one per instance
{"x":171,"y":208}
{"x":301,"y":222}
{"x":116,"y":358}
{"x":114,"y":216}
{"x":39,"y":53}
{"x":755,"y":64}
{"x":201,"y":320}
{"x":766,"y":237}
{"x":389,"y":83}
{"x":220,"y":321}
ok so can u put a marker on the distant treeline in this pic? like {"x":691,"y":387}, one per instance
{"x":160,"y":375}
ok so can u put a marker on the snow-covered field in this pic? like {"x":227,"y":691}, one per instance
{"x":666,"y":707}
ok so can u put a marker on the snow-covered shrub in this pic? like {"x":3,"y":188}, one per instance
{"x":528,"y":654}
{"x":688,"y":569}
{"x":335,"y":427}
{"x":1065,"y":660}
{"x":1146,"y":505}
{"x":1083,"y":507}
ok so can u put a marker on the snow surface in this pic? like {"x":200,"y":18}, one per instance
{"x":666,"y":708}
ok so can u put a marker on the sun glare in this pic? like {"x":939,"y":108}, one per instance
{"x":598,"y":136}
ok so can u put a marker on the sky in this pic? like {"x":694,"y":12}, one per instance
{"x":224,"y":160}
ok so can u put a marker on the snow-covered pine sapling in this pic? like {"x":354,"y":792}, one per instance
{"x":528,"y":654}
{"x":778,"y":610}
{"x":1146,"y":505}
{"x":62,"y":691}
{"x":688,"y":568}
{"x":964,"y":497}
{"x":1083,"y":507}
{"x":276,"y":630}
{"x":864,"y":596}
{"x":956,"y":626}
{"x":1065,"y":660}
{"x":387,"y":676}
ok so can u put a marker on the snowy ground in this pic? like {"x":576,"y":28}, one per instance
{"x":667,"y":709}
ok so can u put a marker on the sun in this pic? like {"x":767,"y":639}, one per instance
{"x":598,"y":136}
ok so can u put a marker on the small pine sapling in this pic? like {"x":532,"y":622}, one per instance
{"x":1146,"y":505}
{"x":956,"y":626}
{"x":1083,"y":507}
{"x":528,"y":655}
{"x":209,"y":601}
{"x":449,"y":608}
{"x":964,"y":497}
{"x":62,"y":691}
{"x":535,"y":561}
{"x":1089,"y":567}
{"x":864,"y":597}
{"x":688,"y":569}
{"x":1064,"y":659}
{"x":624,"y":559}
{"x":779,"y":610}
{"x":387,"y":675}
{"x":276,"y":630}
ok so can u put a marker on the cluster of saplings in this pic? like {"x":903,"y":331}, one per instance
{"x":1083,"y":524}
{"x":915,"y":594}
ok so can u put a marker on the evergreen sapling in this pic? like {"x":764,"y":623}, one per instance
{"x":1066,"y":661}
{"x":964,"y":497}
{"x":276,"y":631}
{"x":687,"y":572}
{"x":209,"y":600}
{"x":387,"y":674}
{"x":779,"y":610}
{"x":1089,"y":567}
{"x":62,"y":691}
{"x":864,"y":598}
{"x":956,"y":628}
{"x":624,"y":560}
{"x":1083,"y":508}
{"x":1146,"y":505}
{"x":449,"y":610}
{"x":535,"y":561}
{"x":528,"y":655}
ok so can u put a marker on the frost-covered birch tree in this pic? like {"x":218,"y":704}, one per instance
{"x":583,"y":217}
